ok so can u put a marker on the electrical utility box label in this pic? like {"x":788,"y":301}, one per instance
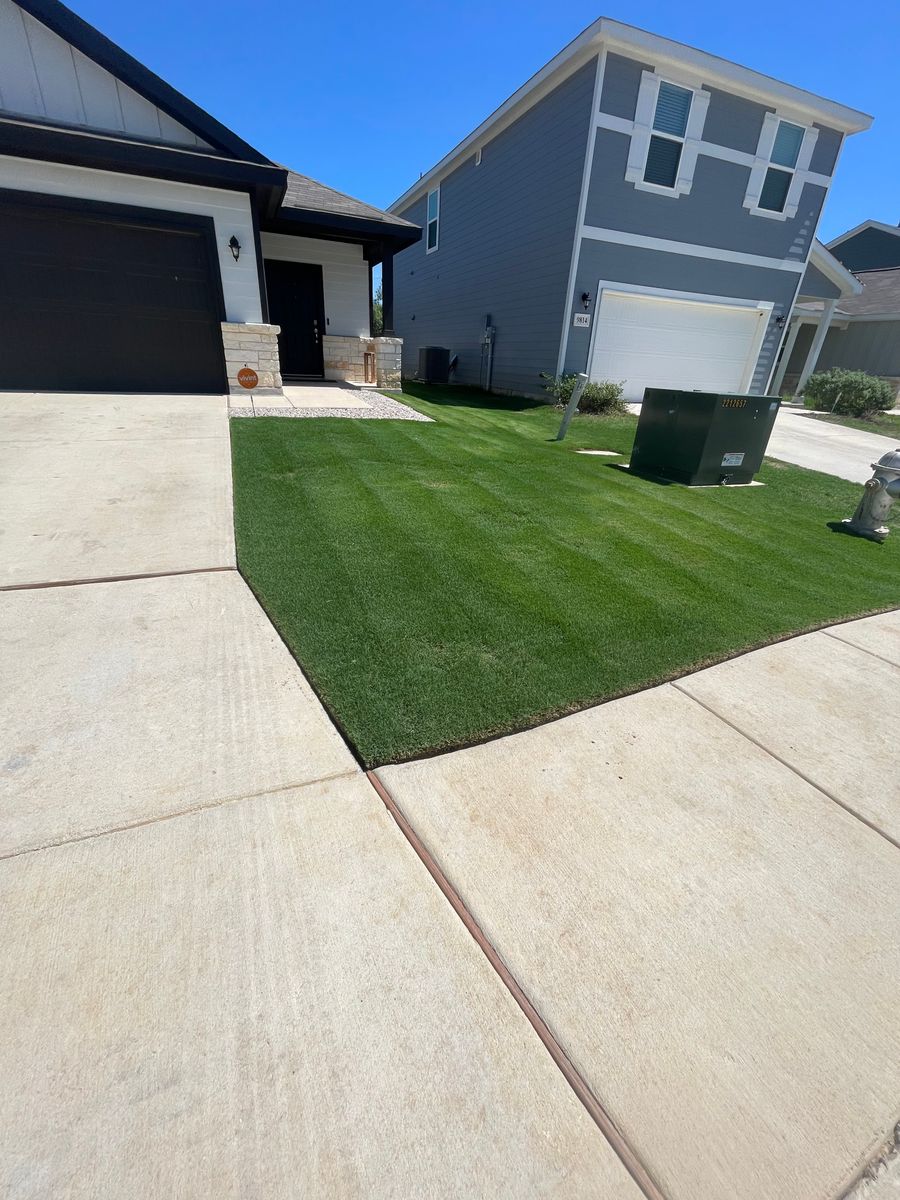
{"x":582,"y":321}
{"x":732,"y":460}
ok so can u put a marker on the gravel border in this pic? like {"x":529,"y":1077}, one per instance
{"x":383,"y":408}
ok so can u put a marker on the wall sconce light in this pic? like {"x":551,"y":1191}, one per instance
{"x":235,"y":247}
{"x":780,"y":320}
{"x":586,"y":300}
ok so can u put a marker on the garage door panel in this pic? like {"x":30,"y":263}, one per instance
{"x":649,"y":341}
{"x":95,"y":302}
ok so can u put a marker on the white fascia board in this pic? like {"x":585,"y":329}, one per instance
{"x":880,"y":225}
{"x":734,"y":78}
{"x":834,"y":270}
{"x":626,"y":39}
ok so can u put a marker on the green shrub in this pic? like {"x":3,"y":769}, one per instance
{"x":850,"y":393}
{"x":602,"y":397}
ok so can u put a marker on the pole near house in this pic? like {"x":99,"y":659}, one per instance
{"x":579,"y":387}
{"x":387,"y":295}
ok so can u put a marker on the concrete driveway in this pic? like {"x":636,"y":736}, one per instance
{"x":822,"y":446}
{"x":225,"y":973}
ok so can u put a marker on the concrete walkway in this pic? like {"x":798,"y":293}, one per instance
{"x":822,"y":446}
{"x":229,"y":970}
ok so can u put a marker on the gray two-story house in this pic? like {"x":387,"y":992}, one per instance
{"x":639,"y":210}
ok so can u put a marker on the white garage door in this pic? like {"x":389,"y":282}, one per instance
{"x":650,"y":341}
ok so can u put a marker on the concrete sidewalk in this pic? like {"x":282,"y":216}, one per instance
{"x":697,"y":888}
{"x":822,"y":446}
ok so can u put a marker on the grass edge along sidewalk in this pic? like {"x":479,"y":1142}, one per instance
{"x":444,"y":583}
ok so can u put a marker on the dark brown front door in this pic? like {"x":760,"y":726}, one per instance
{"x":99,"y":298}
{"x":297,"y":304}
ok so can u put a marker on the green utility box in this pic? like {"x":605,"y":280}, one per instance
{"x":702,"y":438}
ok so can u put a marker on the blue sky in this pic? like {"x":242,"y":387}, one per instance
{"x":366,"y":96}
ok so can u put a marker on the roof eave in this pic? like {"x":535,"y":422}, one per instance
{"x":834,"y":270}
{"x":313,"y":222}
{"x":611,"y":34}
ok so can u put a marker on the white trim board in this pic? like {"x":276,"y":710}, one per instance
{"x":582,"y":208}
{"x":741,"y":158}
{"x":762,"y":307}
{"x":646,"y":47}
{"x":643,"y":241}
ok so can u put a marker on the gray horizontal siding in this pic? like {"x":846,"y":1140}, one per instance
{"x":621,"y":83}
{"x":816,"y":284}
{"x":733,"y":121}
{"x":825,"y":151}
{"x":869,"y":250}
{"x":872,"y":346}
{"x":677,"y":272}
{"x":506,"y":235}
{"x":711,"y":215}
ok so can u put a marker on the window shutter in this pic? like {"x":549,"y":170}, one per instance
{"x":643,"y":118}
{"x":672,"y":108}
{"x":787,"y":144}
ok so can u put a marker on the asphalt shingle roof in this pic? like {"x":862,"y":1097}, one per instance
{"x":880,"y":294}
{"x":312,"y":196}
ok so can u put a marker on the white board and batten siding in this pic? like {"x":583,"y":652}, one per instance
{"x":645,"y":339}
{"x":229,"y":210}
{"x":345,"y":278}
{"x":42,"y":76}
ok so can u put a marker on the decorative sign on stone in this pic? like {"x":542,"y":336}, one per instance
{"x":247,"y":378}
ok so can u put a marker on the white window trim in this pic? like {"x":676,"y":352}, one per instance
{"x":643,"y":131}
{"x":763,"y":160}
{"x":435,"y":191}
{"x":762,"y":307}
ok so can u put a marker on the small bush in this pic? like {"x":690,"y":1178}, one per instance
{"x":602,"y":397}
{"x":850,"y":393}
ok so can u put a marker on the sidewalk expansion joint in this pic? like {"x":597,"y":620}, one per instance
{"x":189,"y":811}
{"x":601,"y":1118}
{"x":854,"y":646}
{"x":61,"y":583}
{"x":790,"y":766}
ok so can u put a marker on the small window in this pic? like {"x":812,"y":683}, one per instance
{"x":785,"y":152}
{"x":670,"y":120}
{"x":434,"y":216}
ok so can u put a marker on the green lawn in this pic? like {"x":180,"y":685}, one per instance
{"x":443,"y":582}
{"x":887,"y":424}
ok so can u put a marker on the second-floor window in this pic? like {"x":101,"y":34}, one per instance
{"x":780,"y":168}
{"x":670,"y":120}
{"x":784,"y":155}
{"x":665,"y":140}
{"x":433,"y":220}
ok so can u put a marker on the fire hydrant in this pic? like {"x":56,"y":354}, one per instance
{"x":878,"y":498}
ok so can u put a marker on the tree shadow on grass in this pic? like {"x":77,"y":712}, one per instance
{"x":455,"y":396}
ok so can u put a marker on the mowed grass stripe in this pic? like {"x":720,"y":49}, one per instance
{"x":444,"y":582}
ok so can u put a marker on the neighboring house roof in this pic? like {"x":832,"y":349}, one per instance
{"x":309,"y":195}
{"x":645,"y":46}
{"x":879,"y":225}
{"x":880,"y":295}
{"x":843,"y":279}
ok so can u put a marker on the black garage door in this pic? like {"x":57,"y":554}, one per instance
{"x":100,"y":298}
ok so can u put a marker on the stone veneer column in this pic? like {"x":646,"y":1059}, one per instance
{"x":388,"y":354}
{"x":345,"y":359}
{"x":254,"y":346}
